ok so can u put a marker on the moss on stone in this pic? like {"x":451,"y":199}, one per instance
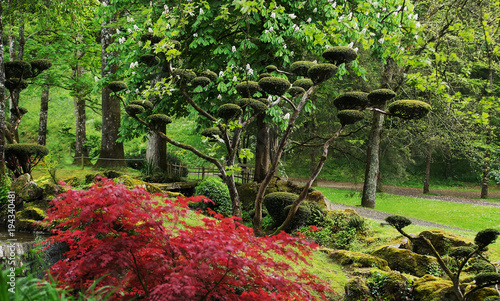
{"x":357,"y":259}
{"x":357,"y":290}
{"x":32,"y":213}
{"x":442,"y":241}
{"x":405,"y":261}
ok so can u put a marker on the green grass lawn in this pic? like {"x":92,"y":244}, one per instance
{"x":465,"y":216}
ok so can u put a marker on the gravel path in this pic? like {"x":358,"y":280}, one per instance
{"x":440,"y":195}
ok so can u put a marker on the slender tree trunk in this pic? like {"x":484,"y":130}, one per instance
{"x":156,"y":150}
{"x":81,"y":152}
{"x":44,"y":113}
{"x":372,"y":162}
{"x":486,"y":165}
{"x":427,"y":175}
{"x":312,"y":165}
{"x":262,"y":149}
{"x":2,"y":100}
{"x":17,"y":92}
{"x":112,"y":154}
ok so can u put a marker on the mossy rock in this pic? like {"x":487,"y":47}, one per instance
{"x":71,"y":181}
{"x":442,"y":241}
{"x":229,"y":111}
{"x":405,"y":261}
{"x":396,"y":287}
{"x":131,"y":183}
{"x":201,"y":81}
{"x":358,"y":260}
{"x":146,"y":104}
{"x":347,"y":117}
{"x":409,"y":109}
{"x":30,"y":225}
{"x":25,"y":189}
{"x":321,"y":72}
{"x":317,"y":197}
{"x":31,"y":212}
{"x":301,"y":67}
{"x":340,"y":54}
{"x":304,"y":83}
{"x":357,"y":290}
{"x":351,"y":101}
{"x":274,"y":85}
{"x":247,"y":88}
{"x":430,"y":288}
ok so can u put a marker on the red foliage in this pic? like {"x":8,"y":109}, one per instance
{"x":143,"y":248}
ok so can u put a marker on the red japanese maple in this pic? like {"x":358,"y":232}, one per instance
{"x":143,"y":247}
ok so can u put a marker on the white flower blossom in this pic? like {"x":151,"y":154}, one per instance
{"x":381,"y":40}
{"x":104,"y":4}
{"x":129,"y":30}
{"x":195,"y":35}
{"x":334,"y":4}
{"x":235,"y":79}
{"x":136,"y":28}
{"x":96,"y":78}
{"x":315,"y":61}
{"x":233,"y":49}
{"x":287,"y":116}
{"x":417,"y":25}
{"x":250,"y":71}
{"x":168,"y":25}
{"x":292,"y":53}
{"x":315,"y":10}
{"x":201,"y":11}
{"x":221,"y":73}
{"x":284,"y":46}
{"x":378,"y":15}
{"x":273,"y":15}
{"x":349,"y":16}
{"x":415,"y":17}
{"x":130,"y":19}
{"x":271,"y":28}
{"x":127,"y":92}
{"x":350,"y":45}
{"x":341,"y":17}
{"x":270,"y":98}
{"x":118,"y":31}
{"x":136,"y":90}
{"x":356,"y":49}
{"x":327,"y":46}
{"x":219,"y":97}
{"x":309,"y":20}
{"x":134,"y":64}
{"x":399,"y":7}
{"x":150,"y":29}
{"x":416,"y":37}
{"x":292,"y":16}
{"x":384,"y":9}
{"x":122,"y":40}
{"x":363,"y":31}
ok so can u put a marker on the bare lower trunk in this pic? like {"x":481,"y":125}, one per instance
{"x":44,"y":112}
{"x":427,"y":175}
{"x":262,"y":150}
{"x":486,"y":175}
{"x":156,"y":150}
{"x":372,"y":162}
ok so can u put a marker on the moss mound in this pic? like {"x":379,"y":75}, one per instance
{"x":117,"y":86}
{"x":405,"y":261}
{"x":201,"y":81}
{"x":301,"y":67}
{"x":321,"y":72}
{"x":358,"y":260}
{"x":340,"y":54}
{"x":229,"y":111}
{"x":146,"y":104}
{"x":350,"y":116}
{"x":274,"y":85}
{"x":210,"y":74}
{"x":247,"y":89}
{"x":304,"y":83}
{"x":133,"y":110}
{"x":379,"y":97}
{"x":351,"y":101}
{"x":409,"y":109}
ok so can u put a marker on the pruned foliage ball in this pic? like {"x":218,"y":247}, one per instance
{"x":265,"y":74}
{"x":487,"y":279}
{"x":304,"y":83}
{"x":397,"y":221}
{"x":258,"y":106}
{"x":16,"y":84}
{"x":301,"y":67}
{"x":210,"y":74}
{"x":183,"y":76}
{"x":274,"y":85}
{"x":149,"y":60}
{"x":299,"y":219}
{"x":340,"y":54}
{"x":149,"y":36}
{"x":276,"y":202}
{"x":159,"y":119}
{"x":321,"y":72}
{"x":201,"y":81}
{"x":409,"y":109}
{"x":247,"y":88}
{"x":26,"y":149}
{"x":17,"y":69}
{"x":211,"y":133}
{"x":229,"y":111}
{"x":38,"y":66}
{"x":492,"y":298}
{"x":351,"y":101}
{"x":243,"y":102}
{"x":350,"y":116}
{"x":23,"y":157}
{"x":133,"y":110}
{"x":271,"y":68}
{"x":485,"y":237}
{"x":461,"y":252}
{"x":380,"y":97}
{"x":294,"y":91}
{"x":146,"y":104}
{"x":117,"y":86}
{"x":264,"y":101}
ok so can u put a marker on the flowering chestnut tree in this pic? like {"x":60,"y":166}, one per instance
{"x":146,"y":246}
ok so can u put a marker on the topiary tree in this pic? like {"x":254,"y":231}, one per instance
{"x":215,"y":190}
{"x":21,"y":158}
{"x":276,"y":203}
{"x":461,"y":255}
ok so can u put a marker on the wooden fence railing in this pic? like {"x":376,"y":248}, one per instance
{"x":244,"y":175}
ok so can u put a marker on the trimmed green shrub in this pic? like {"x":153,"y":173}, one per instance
{"x":211,"y":133}
{"x":340,"y":54}
{"x":149,"y":36}
{"x":397,"y":221}
{"x":16,"y":84}
{"x":299,"y":219}
{"x":247,"y":89}
{"x":485,"y":279}
{"x":351,"y":101}
{"x":304,"y":83}
{"x":17,"y":69}
{"x":485,"y":237}
{"x":380,"y":97}
{"x":159,"y":119}
{"x":301,"y":67}
{"x":146,"y":104}
{"x":210,"y":74}
{"x":265,"y":74}
{"x":258,"y":106}
{"x":117,"y":86}
{"x":40,"y":65}
{"x":409,"y":109}
{"x":149,"y":60}
{"x":214,"y":189}
{"x":461,"y":252}
{"x":133,"y":110}
{"x":183,"y":76}
{"x":321,"y":72}
{"x":274,"y":85}
{"x":350,"y":116}
{"x":200,"y":81}
{"x":21,"y":158}
{"x":275,"y":204}
{"x":294,"y":91}
{"x":271,"y":68}
{"x":229,"y":111}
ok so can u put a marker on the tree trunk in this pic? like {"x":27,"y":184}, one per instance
{"x":372,"y":162}
{"x":262,"y":150}
{"x":486,"y":166}
{"x":312,"y":165}
{"x":112,"y":154}
{"x":156,"y":150}
{"x":2,"y":101}
{"x":44,"y":112}
{"x":81,"y":152}
{"x":427,"y":175}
